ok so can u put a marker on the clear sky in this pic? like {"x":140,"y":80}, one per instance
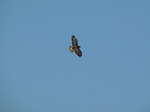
{"x":39,"y":74}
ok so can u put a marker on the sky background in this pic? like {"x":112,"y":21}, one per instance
{"x":39,"y":74}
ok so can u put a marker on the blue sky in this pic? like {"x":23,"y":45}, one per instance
{"x":39,"y":74}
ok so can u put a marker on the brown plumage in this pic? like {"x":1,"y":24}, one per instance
{"x":75,"y":46}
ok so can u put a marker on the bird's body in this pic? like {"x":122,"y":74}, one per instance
{"x":75,"y":46}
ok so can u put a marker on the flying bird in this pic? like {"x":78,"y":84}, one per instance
{"x":75,"y":47}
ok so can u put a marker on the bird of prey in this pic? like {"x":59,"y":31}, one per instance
{"x":75,"y":48}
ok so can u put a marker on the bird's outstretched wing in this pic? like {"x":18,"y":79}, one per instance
{"x":78,"y":52}
{"x":74,"y":41}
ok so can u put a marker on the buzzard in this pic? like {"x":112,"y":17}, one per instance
{"x":75,"y":46}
